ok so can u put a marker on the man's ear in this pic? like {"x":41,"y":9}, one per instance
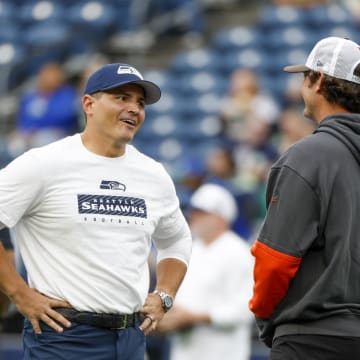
{"x":87,"y":103}
{"x":319,"y":82}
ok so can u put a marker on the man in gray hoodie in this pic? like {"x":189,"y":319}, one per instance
{"x":306,"y":296}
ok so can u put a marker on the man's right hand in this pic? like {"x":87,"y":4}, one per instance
{"x":37,"y":307}
{"x":34,"y":306}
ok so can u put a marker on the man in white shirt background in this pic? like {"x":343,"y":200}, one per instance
{"x":210,"y":318}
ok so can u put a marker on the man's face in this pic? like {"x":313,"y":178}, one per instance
{"x":116,"y":114}
{"x":309,"y":94}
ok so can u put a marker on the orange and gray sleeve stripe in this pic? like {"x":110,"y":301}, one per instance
{"x":273,"y":272}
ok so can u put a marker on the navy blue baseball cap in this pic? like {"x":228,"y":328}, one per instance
{"x":112,"y":76}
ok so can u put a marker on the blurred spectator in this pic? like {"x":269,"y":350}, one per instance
{"x":210,"y":319}
{"x":222,"y":170}
{"x":47,"y":112}
{"x":190,"y":174}
{"x":354,"y":7}
{"x":292,"y":94}
{"x":220,"y":163}
{"x":293,"y":126}
{"x":246,"y":102}
{"x":254,"y":156}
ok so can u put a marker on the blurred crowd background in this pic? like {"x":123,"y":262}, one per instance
{"x":227,"y":110}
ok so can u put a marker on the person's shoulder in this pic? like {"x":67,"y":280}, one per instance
{"x":310,"y":149}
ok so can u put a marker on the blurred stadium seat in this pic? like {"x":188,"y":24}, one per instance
{"x":49,"y":34}
{"x":248,"y":58}
{"x":290,"y":37}
{"x":99,"y":16}
{"x":92,"y":22}
{"x":273,"y":17}
{"x":166,"y":104}
{"x":202,"y":82}
{"x":9,"y":30}
{"x":167,"y":81}
{"x":193,"y":107}
{"x":323,"y":16}
{"x":33,"y":12}
{"x":12,"y":72}
{"x":194,"y":60}
{"x":159,"y":127}
{"x":7,"y":11}
{"x":47,"y":41}
{"x":237,"y":38}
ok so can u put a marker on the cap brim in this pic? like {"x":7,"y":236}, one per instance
{"x":296,"y":68}
{"x":151,"y":91}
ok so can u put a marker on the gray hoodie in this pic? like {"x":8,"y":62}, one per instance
{"x":318,"y":221}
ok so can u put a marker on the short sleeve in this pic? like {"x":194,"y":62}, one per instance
{"x":20,"y":187}
{"x":172,"y":218}
{"x":172,"y":235}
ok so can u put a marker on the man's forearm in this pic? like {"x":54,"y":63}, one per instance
{"x":10,"y":281}
{"x":170,"y":273}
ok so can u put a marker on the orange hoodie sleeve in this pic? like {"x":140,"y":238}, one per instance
{"x":273,"y":272}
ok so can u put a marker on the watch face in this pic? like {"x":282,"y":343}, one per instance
{"x":168,"y":302}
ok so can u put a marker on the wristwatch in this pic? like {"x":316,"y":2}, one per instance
{"x":167,"y":300}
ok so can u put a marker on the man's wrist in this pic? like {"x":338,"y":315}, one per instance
{"x":166,"y":299}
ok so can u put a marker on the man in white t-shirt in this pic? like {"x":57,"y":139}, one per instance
{"x":85,"y":210}
{"x":210,"y":318}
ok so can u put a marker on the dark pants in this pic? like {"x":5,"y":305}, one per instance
{"x":83,"y":342}
{"x":315,"y":347}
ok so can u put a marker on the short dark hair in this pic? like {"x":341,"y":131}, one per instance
{"x":337,"y":91}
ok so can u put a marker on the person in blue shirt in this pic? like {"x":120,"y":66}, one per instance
{"x":47,"y":112}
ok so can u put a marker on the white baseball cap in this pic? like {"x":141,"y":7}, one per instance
{"x":334,"y":56}
{"x":215,"y":199}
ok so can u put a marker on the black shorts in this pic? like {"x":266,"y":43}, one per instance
{"x":315,"y":347}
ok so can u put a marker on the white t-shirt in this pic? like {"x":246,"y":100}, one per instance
{"x":218,"y":282}
{"x":84,"y":223}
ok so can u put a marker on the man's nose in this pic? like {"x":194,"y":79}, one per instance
{"x":133,"y":107}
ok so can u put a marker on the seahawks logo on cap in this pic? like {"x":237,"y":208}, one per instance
{"x":123,"y":69}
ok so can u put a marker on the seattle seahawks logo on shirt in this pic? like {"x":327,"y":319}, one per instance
{"x":112,"y":185}
{"x":111,"y":205}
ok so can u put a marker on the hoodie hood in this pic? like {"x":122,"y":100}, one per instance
{"x":346,"y":128}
